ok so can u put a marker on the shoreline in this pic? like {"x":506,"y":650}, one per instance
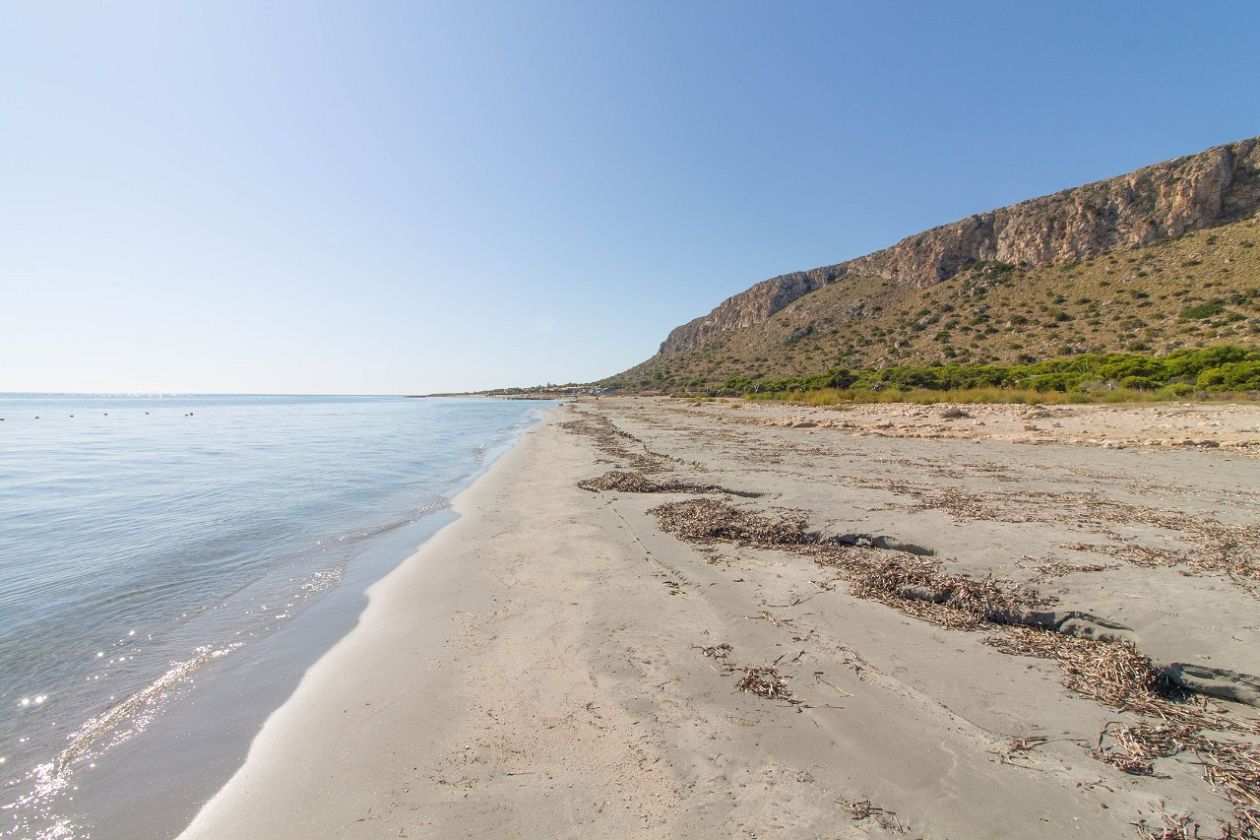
{"x":268,"y":743}
{"x":146,"y":717}
{"x":554,"y":663}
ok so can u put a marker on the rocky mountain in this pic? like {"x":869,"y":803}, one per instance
{"x":1153,"y":204}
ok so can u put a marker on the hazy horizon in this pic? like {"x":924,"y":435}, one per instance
{"x":313,"y":198}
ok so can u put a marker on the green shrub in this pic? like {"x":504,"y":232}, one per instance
{"x":1200,"y":311}
{"x":1232,"y":376}
{"x":1084,"y":377}
{"x":1140,"y":383}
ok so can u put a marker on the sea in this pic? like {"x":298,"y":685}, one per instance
{"x":171,"y":565}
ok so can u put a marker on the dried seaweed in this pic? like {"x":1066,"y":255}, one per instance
{"x":1233,"y":768}
{"x":1136,"y":746}
{"x":1183,"y":827}
{"x":1116,"y":674}
{"x":709,"y":520}
{"x":921,"y":588}
{"x":1112,"y":672}
{"x":765,"y":681}
{"x":862,"y":809}
{"x":716,"y":651}
{"x":1026,"y":744}
{"x":1212,"y":546}
{"x":625,"y":481}
{"x":1055,"y":569}
{"x":912,"y":583}
{"x":616,"y":443}
{"x":633,"y":482}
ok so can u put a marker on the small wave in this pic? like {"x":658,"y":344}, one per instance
{"x":438,"y":504}
{"x":146,"y":698}
{"x":48,"y":780}
{"x":321,"y":581}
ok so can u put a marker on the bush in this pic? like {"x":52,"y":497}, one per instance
{"x":1190,"y":363}
{"x":1140,"y":383}
{"x":1081,"y":377}
{"x":1233,"y":376}
{"x":1061,"y":382}
{"x":1200,"y":311}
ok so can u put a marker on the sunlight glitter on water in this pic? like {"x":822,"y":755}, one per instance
{"x":201,"y":533}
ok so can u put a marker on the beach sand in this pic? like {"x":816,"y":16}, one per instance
{"x":555,"y":663}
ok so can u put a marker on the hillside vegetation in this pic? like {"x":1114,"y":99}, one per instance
{"x":1192,"y":291}
{"x":1113,"y":377}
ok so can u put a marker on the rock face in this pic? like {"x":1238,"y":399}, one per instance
{"x":1157,"y":202}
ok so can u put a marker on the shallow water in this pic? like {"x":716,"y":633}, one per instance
{"x":170,"y":565}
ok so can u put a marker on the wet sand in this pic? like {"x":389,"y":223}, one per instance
{"x":557,"y":664}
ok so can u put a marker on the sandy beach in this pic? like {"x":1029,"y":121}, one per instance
{"x":893,"y":621}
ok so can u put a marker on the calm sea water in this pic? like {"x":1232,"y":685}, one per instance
{"x":170,"y":565}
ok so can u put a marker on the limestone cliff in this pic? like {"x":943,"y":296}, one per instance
{"x":1157,"y":202}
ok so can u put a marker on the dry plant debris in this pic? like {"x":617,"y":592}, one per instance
{"x":862,"y":809}
{"x":1026,"y":744}
{"x":912,"y":583}
{"x":1136,"y":746}
{"x":1214,"y":547}
{"x":1019,"y":746}
{"x":1117,"y":675}
{"x":615,"y":443}
{"x":921,"y":588}
{"x":626,"y":481}
{"x":765,"y":681}
{"x":716,"y":651}
{"x":709,"y":520}
{"x":633,"y":482}
{"x":1055,"y":569}
{"x":1182,"y":827}
{"x":1112,"y":672}
{"x":1233,"y":768}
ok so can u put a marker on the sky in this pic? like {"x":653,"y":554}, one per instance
{"x":382,"y":198}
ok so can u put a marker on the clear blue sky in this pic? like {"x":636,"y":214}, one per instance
{"x":405,"y":197}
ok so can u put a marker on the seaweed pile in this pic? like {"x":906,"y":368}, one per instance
{"x":921,"y":588}
{"x":627,"y":481}
{"x":710,"y":520}
{"x":1110,"y":671}
{"x":634,"y":482}
{"x":764,"y":681}
{"x":615,"y":443}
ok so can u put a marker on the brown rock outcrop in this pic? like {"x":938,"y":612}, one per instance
{"x":1153,"y":203}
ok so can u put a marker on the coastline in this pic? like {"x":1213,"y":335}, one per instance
{"x":410,"y":612}
{"x":554,"y":664}
{"x":163,"y":627}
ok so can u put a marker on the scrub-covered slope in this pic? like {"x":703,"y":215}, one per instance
{"x":1164,"y":257}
